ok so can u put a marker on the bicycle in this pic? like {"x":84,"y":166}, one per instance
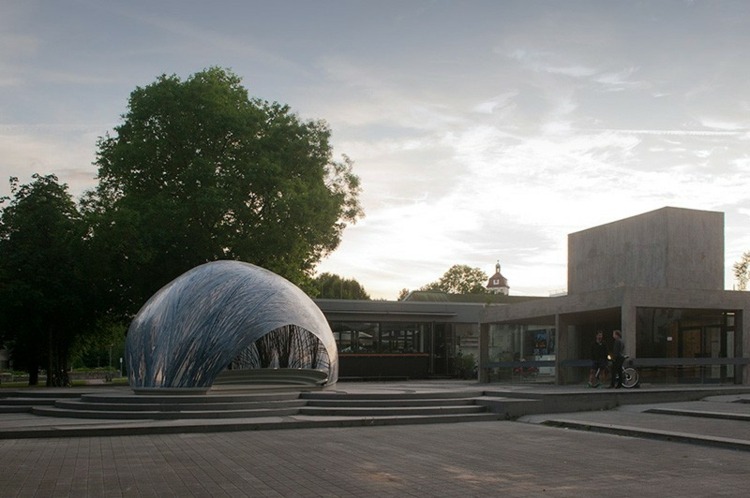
{"x":629,"y":375}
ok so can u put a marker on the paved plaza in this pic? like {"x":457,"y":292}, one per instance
{"x":473,"y":459}
{"x":500,"y":458}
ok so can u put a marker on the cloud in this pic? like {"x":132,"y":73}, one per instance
{"x":618,"y":81}
{"x":495,"y":103}
{"x":539,"y":61}
{"x":722,"y":124}
{"x":478,"y":134}
{"x":14,"y":48}
{"x":67,"y":152}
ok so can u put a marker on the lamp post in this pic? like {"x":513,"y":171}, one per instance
{"x":108,"y":377}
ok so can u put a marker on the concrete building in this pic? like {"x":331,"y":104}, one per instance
{"x":402,"y":339}
{"x":657,"y":276}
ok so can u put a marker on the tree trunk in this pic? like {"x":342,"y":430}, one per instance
{"x":34,"y":374}
{"x":57,"y":361}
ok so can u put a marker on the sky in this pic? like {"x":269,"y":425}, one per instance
{"x":482,"y":131}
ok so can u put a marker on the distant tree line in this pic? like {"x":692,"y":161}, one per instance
{"x":197,"y":171}
{"x":458,"y":279}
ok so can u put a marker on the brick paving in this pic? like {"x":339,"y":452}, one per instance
{"x":466,"y":459}
{"x":501,"y":458}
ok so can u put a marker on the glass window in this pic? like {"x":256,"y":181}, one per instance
{"x":402,"y":337}
{"x":675,"y":333}
{"x":372,"y":337}
{"x":355,"y":337}
{"x":698,"y":335}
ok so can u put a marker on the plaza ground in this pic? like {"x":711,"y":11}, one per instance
{"x":523,"y":457}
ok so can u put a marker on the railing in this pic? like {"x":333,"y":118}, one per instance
{"x":667,"y":370}
{"x":519,"y":368}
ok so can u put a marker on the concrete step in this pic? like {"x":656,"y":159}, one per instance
{"x":180,"y":399}
{"x":27,"y":401}
{"x":332,"y":395}
{"x":390,"y":411}
{"x":405,"y":402}
{"x":226,"y":425}
{"x":15,"y":409}
{"x":161,"y":415}
{"x":714,"y":414}
{"x":40,"y":393}
{"x":156,"y":406}
{"x":649,"y":433}
{"x":260,"y":410}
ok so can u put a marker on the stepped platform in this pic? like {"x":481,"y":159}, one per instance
{"x":714,"y":421}
{"x":108,"y":411}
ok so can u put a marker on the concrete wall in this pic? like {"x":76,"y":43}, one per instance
{"x":670,"y":248}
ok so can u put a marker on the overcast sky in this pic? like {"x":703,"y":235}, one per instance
{"x":481,"y":130}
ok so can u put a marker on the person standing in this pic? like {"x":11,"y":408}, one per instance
{"x":598,"y":360}
{"x":618,"y":358}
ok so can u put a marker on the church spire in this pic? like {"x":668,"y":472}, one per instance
{"x":497,"y":283}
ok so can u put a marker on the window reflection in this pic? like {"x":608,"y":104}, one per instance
{"x":386,"y":338}
{"x":355,"y":337}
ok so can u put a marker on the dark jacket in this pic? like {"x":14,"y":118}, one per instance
{"x":618,"y":348}
{"x":598,"y":352}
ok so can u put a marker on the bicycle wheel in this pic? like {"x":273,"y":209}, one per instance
{"x":629,"y":377}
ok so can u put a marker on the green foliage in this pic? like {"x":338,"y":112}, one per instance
{"x":45,"y":298}
{"x":329,"y":286}
{"x":742,"y":271}
{"x":466,"y":366}
{"x":102,"y":349}
{"x":460,"y":279}
{"x":198,"y":171}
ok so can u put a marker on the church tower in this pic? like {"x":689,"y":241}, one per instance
{"x":497,"y":283}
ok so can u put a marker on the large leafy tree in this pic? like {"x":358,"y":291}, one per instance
{"x":461,"y":279}
{"x":46,"y":298}
{"x":199,"y":171}
{"x":330,"y":286}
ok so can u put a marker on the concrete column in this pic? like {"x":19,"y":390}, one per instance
{"x":628,"y":321}
{"x":561,"y":341}
{"x":484,"y":352}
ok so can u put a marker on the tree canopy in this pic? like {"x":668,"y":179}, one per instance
{"x":45,"y":294}
{"x":198,"y":171}
{"x":460,"y":279}
{"x":329,"y":286}
{"x":741,"y":271}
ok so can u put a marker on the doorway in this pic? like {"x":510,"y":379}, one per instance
{"x":442,"y":350}
{"x":707,"y":341}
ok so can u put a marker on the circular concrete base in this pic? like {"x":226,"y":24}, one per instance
{"x":167,"y":391}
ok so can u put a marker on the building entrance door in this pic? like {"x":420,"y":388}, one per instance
{"x":698,"y":342}
{"x":442,"y":349}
